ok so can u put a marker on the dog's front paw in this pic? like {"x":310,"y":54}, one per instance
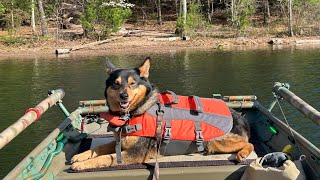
{"x":81,"y":157}
{"x":79,"y":166}
{"x":242,"y":155}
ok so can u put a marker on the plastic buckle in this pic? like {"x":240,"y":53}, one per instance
{"x":167,"y":135}
{"x":199,"y":140}
{"x":199,"y":135}
{"x":129,"y":129}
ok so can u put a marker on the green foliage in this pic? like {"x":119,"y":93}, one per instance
{"x":2,"y":9}
{"x":195,"y":20}
{"x":15,"y":41}
{"x":89,"y":16}
{"x":244,"y":9}
{"x":20,"y":10}
{"x":113,"y":18}
{"x":306,"y":17}
{"x":179,"y":25}
{"x":100,"y":18}
{"x":313,"y":2}
{"x":18,"y":16}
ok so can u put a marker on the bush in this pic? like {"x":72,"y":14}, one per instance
{"x":2,"y":9}
{"x":15,"y":41}
{"x":244,"y":9}
{"x":195,"y":20}
{"x":101,"y":18}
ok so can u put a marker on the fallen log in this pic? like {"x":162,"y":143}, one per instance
{"x":68,"y":50}
{"x":308,"y":41}
{"x":164,"y":39}
{"x":63,"y":51}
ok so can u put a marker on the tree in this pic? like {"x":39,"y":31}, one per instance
{"x":290,"y":31}
{"x":209,"y":13}
{"x":159,"y":11}
{"x":183,"y":16}
{"x":44,"y":26}
{"x":12,"y":19}
{"x":241,"y":11}
{"x":33,"y":22}
{"x":266,"y":13}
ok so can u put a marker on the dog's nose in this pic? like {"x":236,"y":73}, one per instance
{"x":124,"y":96}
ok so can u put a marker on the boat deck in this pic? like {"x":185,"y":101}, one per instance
{"x":189,"y":166}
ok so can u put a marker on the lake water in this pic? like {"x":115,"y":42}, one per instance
{"x":25,"y":82}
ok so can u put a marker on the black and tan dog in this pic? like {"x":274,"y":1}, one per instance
{"x":129,"y":90}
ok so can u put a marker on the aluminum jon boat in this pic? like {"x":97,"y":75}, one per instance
{"x":83,"y":129}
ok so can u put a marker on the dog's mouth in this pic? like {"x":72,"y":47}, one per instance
{"x":124,"y":105}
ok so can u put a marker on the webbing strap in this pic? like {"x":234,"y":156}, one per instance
{"x":175,"y":97}
{"x":199,"y":107}
{"x":111,"y":128}
{"x":199,"y":136}
{"x":118,"y":147}
{"x":159,"y":112}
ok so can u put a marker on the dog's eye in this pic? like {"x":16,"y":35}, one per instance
{"x":133,"y":83}
{"x":116,"y":85}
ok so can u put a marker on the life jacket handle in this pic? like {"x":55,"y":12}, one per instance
{"x":199,"y":106}
{"x":175,"y":97}
{"x":196,"y":99}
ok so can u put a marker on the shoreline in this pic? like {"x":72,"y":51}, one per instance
{"x":129,"y":45}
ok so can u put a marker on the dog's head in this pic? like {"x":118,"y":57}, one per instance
{"x":126,"y":89}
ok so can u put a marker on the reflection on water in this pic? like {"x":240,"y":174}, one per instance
{"x":24,"y":83}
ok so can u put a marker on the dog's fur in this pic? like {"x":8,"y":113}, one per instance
{"x":129,"y":90}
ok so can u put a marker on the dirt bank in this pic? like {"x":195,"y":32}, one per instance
{"x":152,"y":39}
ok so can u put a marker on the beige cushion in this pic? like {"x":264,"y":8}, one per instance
{"x":289,"y":171}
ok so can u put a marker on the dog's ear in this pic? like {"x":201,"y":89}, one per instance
{"x":144,"y":68}
{"x":109,"y":66}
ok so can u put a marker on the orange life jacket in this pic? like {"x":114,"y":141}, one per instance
{"x":186,"y":118}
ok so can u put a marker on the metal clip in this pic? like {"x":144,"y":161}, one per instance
{"x":125,"y":116}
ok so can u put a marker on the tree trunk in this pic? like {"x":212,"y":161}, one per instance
{"x":176,"y":3}
{"x":208,"y":10}
{"x":290,"y":31}
{"x":184,"y":17}
{"x":44,"y":26}
{"x":232,"y":11}
{"x":159,"y":12}
{"x":33,"y":22}
{"x":12,"y":18}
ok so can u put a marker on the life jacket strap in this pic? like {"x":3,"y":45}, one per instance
{"x":159,"y":112}
{"x":199,"y":136}
{"x":112,"y":128}
{"x":118,"y":147}
{"x":199,"y":106}
{"x":175,"y":98}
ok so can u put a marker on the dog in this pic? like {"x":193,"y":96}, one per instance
{"x":130,"y":91}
